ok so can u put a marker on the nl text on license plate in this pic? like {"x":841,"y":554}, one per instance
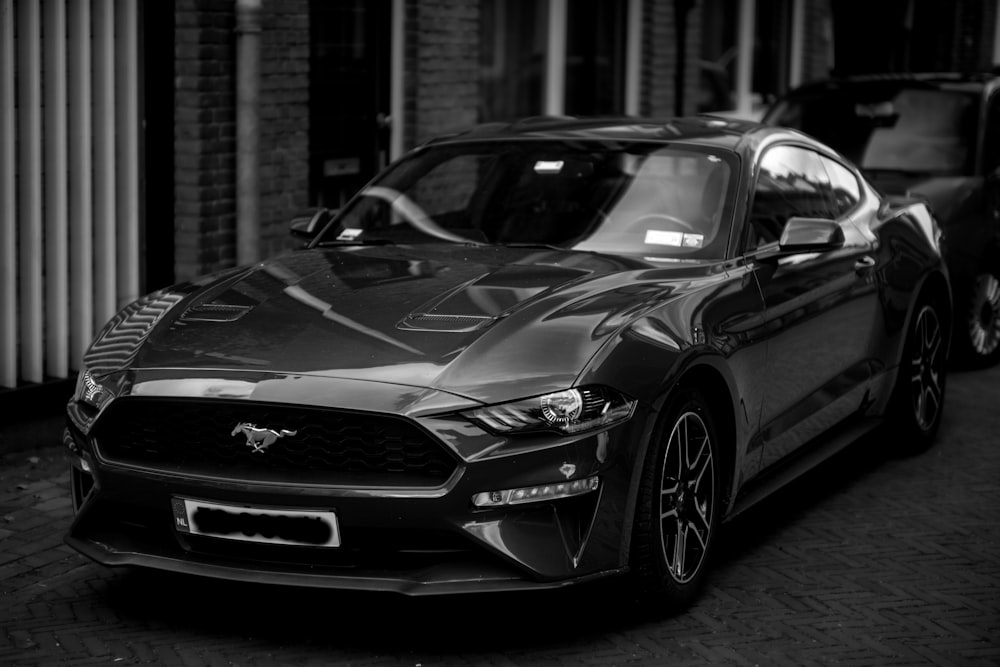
{"x":298,"y":527}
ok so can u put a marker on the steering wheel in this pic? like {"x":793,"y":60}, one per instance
{"x":661,"y":217}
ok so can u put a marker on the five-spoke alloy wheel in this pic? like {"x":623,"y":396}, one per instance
{"x":687,"y":497}
{"x":927,"y":372}
{"x":678,"y":504}
{"x":920,"y":388}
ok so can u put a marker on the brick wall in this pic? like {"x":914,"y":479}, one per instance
{"x":441,"y":69}
{"x":205,"y":129}
{"x":284,"y":122}
{"x":205,"y":137}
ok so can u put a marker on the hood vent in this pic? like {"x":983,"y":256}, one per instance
{"x":446,"y":323}
{"x":214,"y":312}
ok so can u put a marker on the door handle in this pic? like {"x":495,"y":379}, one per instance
{"x":864,"y":263}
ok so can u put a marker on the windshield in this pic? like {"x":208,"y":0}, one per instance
{"x":888,"y":127}
{"x":650,"y":199}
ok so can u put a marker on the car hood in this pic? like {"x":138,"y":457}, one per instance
{"x":486,"y":323}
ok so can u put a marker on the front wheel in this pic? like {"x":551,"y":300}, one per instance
{"x":678,"y":505}
{"x":919,"y":393}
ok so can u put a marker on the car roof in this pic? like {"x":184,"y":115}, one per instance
{"x":703,"y":130}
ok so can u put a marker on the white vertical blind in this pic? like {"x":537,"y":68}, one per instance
{"x":8,"y":236}
{"x":797,"y":50}
{"x":69,"y":179}
{"x":396,"y":91}
{"x":29,"y":214}
{"x":127,"y":122}
{"x":555,"y":59}
{"x":81,"y":182}
{"x":996,"y":38}
{"x":633,"y":58}
{"x":744,"y":58}
{"x":105,"y":247}
{"x":56,"y":224}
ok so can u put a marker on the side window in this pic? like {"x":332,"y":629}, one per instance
{"x":791,"y":182}
{"x":845,"y":191}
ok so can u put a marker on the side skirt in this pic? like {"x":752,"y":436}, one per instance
{"x":770,"y":481}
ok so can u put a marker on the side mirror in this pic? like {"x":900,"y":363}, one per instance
{"x":310,"y":222}
{"x":810,"y":235}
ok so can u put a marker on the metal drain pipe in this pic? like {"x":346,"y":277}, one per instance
{"x":248,"y":23}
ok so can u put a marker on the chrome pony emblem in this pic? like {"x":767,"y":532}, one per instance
{"x":259,"y":439}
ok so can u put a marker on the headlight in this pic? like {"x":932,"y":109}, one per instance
{"x":91,"y":392}
{"x":569,"y":411}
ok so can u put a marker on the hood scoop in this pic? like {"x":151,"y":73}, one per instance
{"x":447,"y":323}
{"x":480,"y":302}
{"x":214,"y":312}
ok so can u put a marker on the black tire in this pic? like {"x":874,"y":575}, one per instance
{"x":977,"y":322}
{"x":674,"y":531}
{"x":918,"y":398}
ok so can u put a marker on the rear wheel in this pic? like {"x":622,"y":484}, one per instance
{"x":920,"y":386}
{"x":678,"y":505}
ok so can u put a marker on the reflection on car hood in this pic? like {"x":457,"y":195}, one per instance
{"x":469,"y":320}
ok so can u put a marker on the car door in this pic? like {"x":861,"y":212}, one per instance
{"x":820,"y":308}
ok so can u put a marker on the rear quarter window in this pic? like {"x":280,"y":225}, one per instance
{"x":844,"y":187}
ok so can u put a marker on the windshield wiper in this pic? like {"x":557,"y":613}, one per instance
{"x":346,"y":242}
{"x":546,"y":246}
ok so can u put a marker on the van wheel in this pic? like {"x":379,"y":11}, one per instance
{"x":978,"y":326}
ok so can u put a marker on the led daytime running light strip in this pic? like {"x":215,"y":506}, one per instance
{"x":534,"y":494}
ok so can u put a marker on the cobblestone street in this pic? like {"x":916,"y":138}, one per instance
{"x":868,"y":560}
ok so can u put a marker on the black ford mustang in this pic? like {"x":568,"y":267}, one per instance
{"x":524,"y":356}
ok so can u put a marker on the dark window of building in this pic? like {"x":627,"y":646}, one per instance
{"x":595,"y":57}
{"x":157,"y":179}
{"x":348,"y":96}
{"x":717,"y":65}
{"x":719,"y":51}
{"x":513,"y":48}
{"x":772,"y":50}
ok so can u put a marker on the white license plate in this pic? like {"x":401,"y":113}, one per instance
{"x":311,"y":528}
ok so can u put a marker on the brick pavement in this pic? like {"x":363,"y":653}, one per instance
{"x":870,"y":560}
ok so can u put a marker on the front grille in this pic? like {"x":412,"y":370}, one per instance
{"x":334,"y":447}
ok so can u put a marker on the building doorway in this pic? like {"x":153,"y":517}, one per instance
{"x":348,"y":96}
{"x":157,"y":108}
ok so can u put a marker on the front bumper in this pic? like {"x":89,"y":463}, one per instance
{"x":415,"y":541}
